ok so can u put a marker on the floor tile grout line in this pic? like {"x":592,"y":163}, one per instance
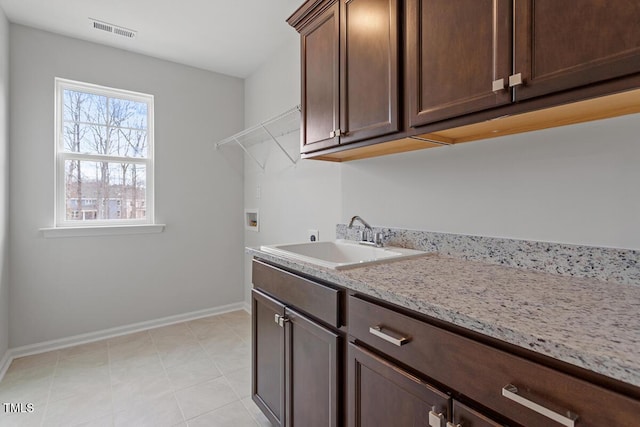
{"x":113,"y":412}
{"x":223,"y":406}
{"x":53,"y":377}
{"x":166,"y":374}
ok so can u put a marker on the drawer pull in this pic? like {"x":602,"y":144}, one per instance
{"x":511,"y":392}
{"x":377,"y":331}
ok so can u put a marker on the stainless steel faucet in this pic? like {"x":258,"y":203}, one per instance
{"x":367,"y":236}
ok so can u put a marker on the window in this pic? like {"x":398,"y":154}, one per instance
{"x":104,"y":156}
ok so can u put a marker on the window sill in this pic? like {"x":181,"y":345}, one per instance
{"x":106,"y":230}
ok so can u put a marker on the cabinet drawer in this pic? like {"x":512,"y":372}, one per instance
{"x":320,"y":301}
{"x":481,"y":372}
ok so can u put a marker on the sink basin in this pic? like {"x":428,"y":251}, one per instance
{"x":340,"y":254}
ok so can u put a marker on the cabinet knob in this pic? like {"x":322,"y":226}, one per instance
{"x":515,"y":80}
{"x":498,"y":85}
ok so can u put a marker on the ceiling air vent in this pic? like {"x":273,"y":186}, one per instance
{"x":114,"y":29}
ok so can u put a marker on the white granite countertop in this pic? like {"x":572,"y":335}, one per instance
{"x":585,"y":322}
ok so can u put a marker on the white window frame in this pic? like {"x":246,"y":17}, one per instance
{"x":61,"y":155}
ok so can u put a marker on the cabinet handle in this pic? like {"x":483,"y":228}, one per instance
{"x":511,"y":392}
{"x":498,"y":85}
{"x":377,"y":331}
{"x":436,"y":419}
{"x":280,"y":320}
{"x":515,"y":80}
{"x":335,"y":133}
{"x":450,"y":424}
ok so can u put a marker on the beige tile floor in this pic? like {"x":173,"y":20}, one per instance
{"x":196,"y":373}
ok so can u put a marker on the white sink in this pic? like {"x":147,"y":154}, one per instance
{"x":340,"y":254}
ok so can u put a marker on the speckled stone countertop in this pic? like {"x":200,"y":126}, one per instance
{"x":582,"y":321}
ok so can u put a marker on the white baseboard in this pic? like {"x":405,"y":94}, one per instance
{"x":4,"y":363}
{"x":247,"y":307}
{"x":43,"y":347}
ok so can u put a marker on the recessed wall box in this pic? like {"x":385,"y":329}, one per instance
{"x":251,"y":220}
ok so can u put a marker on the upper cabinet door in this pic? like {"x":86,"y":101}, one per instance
{"x":565,"y":44}
{"x":458,"y":57}
{"x":369,"y":78}
{"x":320,"y":57}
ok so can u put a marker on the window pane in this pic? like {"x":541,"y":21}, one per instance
{"x":128,"y":114}
{"x":128,"y":142}
{"x":104,"y":191}
{"x":87,"y":139}
{"x":84,"y":107}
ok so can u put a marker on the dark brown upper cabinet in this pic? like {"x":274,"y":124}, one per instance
{"x":350,"y":71}
{"x":387,"y":76}
{"x":320,"y":67}
{"x":562,"y":45}
{"x":465,"y":56}
{"x":458,"y":57}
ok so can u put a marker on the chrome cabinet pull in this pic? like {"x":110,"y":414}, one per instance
{"x":498,"y":85}
{"x":280,"y":320}
{"x":377,"y":331}
{"x":436,"y":419}
{"x":515,"y":80}
{"x":511,"y":392}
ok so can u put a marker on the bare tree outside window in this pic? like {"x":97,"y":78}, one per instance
{"x":105,"y":153}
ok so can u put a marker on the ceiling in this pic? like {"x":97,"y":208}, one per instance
{"x":231,"y":37}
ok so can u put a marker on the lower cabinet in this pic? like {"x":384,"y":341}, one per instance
{"x":311,"y":372}
{"x":402,"y":370}
{"x":296,"y":366}
{"x":463,"y":416}
{"x":267,"y":357}
{"x":381,"y":394}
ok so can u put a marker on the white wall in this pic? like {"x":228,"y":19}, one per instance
{"x":4,"y":184}
{"x":293,"y":198}
{"x":575,"y":184}
{"x":63,"y":287}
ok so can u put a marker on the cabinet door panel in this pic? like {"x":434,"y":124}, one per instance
{"x":455,"y":50}
{"x":381,"y":394}
{"x":320,"y":81}
{"x":267,"y":383}
{"x":312,"y":376}
{"x":369,"y":56}
{"x":467,"y":417}
{"x":564,"y":44}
